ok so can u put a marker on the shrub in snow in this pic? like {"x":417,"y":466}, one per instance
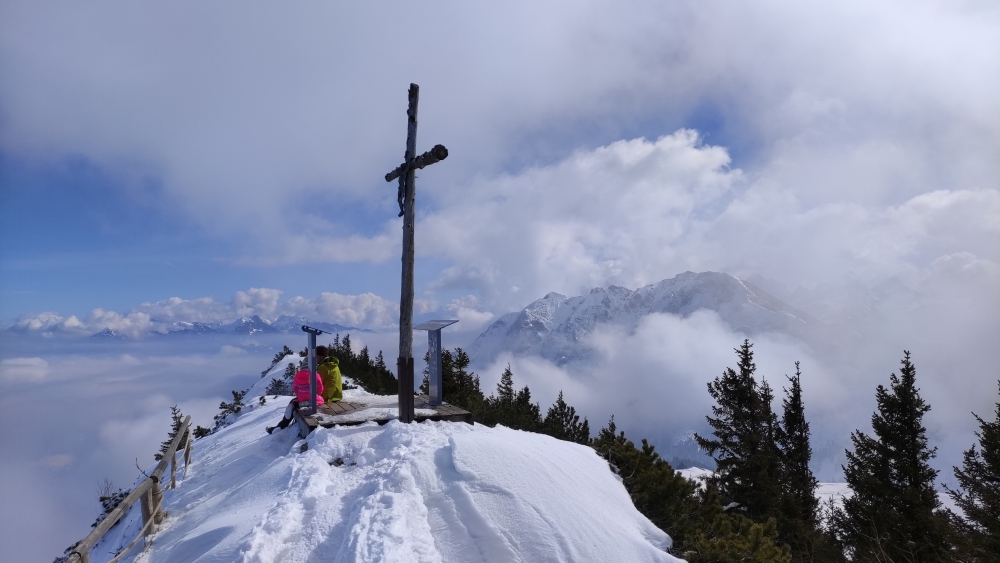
{"x":229,"y":410}
{"x":282,"y":386}
{"x":110,"y":498}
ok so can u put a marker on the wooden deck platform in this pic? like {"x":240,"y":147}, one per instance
{"x":375,"y":409}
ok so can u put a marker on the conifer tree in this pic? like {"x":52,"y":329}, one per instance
{"x":798,"y":523}
{"x":979,"y":495}
{"x":702,"y":530}
{"x":177,"y":419}
{"x":793,"y":443}
{"x":371,"y":375}
{"x":512,"y":409}
{"x":563,"y":423}
{"x":743,"y":448}
{"x":890,"y":516}
{"x":657,"y":491}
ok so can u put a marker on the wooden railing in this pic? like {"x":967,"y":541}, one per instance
{"x":148,"y":493}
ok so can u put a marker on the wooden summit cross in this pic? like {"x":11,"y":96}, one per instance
{"x":405,"y":196}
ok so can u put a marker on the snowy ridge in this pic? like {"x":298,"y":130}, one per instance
{"x":426,"y":492}
{"x":554,"y":326}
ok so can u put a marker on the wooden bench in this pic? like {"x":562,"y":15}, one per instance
{"x":307,"y":423}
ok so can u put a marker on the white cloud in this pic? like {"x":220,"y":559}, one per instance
{"x":203,"y":310}
{"x":227,"y":350}
{"x":836,"y":111}
{"x":134,"y":323}
{"x":611,"y":215}
{"x":57,"y":461}
{"x":636,"y":212}
{"x":23,"y":369}
{"x":366,"y":310}
{"x":257,"y":301}
{"x":47,"y":322}
{"x":466,"y":309}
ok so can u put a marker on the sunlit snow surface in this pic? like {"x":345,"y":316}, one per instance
{"x":434,"y":491}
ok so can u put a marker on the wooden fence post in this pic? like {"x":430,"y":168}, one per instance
{"x":173,"y":471}
{"x":188,"y":446}
{"x":156,"y":495}
{"x":147,"y":510}
{"x":148,"y":493}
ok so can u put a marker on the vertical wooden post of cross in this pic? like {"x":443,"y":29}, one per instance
{"x":406,"y":174}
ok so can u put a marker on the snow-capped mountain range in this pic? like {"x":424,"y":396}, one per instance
{"x":246,"y":326}
{"x":554,"y":326}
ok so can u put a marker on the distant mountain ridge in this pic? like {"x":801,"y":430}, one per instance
{"x":554,"y":326}
{"x":250,"y":326}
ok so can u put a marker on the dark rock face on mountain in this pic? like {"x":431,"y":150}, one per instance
{"x":554,"y":326}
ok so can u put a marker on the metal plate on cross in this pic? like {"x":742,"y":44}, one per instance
{"x":434,"y":325}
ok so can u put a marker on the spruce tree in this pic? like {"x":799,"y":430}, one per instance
{"x":563,"y":423}
{"x":657,"y":491}
{"x":979,"y":495}
{"x":743,"y":448}
{"x":701,"y":529}
{"x":512,"y":409}
{"x":891,"y":515}
{"x":798,"y":522}
{"x":798,"y":481}
{"x":176,"y":421}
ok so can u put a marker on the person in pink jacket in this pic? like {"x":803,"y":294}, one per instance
{"x":300,"y":385}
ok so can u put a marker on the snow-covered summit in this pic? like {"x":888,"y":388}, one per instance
{"x":428,"y":492}
{"x":554,"y":326}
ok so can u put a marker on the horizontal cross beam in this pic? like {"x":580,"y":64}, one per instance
{"x":436,"y":154}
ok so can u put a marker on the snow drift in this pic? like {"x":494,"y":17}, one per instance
{"x":429,"y":492}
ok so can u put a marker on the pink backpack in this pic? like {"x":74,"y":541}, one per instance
{"x":301,"y":387}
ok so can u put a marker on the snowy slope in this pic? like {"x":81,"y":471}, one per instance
{"x":554,"y":326}
{"x":418,"y":492}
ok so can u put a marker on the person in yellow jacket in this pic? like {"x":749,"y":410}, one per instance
{"x":328,"y":369}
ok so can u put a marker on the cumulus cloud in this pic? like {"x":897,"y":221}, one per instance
{"x":256,"y":301}
{"x":611,"y":215}
{"x":23,"y":369}
{"x":366,"y":310}
{"x":47,"y":322}
{"x":836,"y":111}
{"x":202,"y":310}
{"x":468,"y":313}
{"x":635,"y":212}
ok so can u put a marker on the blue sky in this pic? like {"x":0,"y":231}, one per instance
{"x":100,"y":247}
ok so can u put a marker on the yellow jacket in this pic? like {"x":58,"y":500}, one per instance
{"x":329,"y":372}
